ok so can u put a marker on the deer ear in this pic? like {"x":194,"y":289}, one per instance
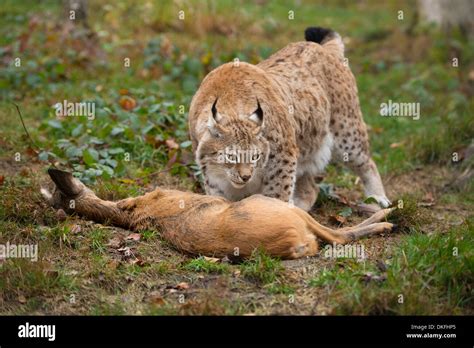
{"x":257,"y":115}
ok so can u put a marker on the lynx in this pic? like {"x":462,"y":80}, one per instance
{"x":273,"y":127}
{"x":208,"y":225}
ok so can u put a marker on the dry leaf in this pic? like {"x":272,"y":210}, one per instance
{"x":427,"y":201}
{"x":156,"y":298}
{"x":171,"y":143}
{"x":125,"y":251}
{"x":428,"y":197}
{"x":76,"y":229}
{"x":182,"y":286}
{"x":137,"y":261}
{"x":127,"y":103}
{"x":115,"y":242}
{"x":113,"y":264}
{"x":471,"y":75}
{"x":22,"y":299}
{"x":395,"y":145}
{"x":2,"y":180}
{"x":338,"y":219}
{"x":211,"y":259}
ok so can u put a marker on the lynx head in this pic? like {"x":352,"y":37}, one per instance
{"x":234,"y":146}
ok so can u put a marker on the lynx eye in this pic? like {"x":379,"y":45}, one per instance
{"x":231,"y":157}
{"x":255,"y":157}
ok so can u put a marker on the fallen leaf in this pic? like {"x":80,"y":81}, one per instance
{"x":471,"y":75}
{"x":182,"y":286}
{"x":2,"y":180}
{"x":427,"y":201}
{"x":338,"y":219}
{"x":137,"y":261}
{"x":171,"y":143}
{"x":75,"y":229}
{"x":428,"y":197}
{"x":395,"y":145}
{"x":115,"y":242}
{"x":125,"y":251}
{"x":156,"y":298}
{"x":112,"y":265}
{"x":127,"y":103}
{"x":22,"y":299}
{"x":211,"y":259}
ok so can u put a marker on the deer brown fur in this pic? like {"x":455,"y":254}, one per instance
{"x":209,"y":225}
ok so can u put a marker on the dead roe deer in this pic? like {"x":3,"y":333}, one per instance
{"x":208,"y":225}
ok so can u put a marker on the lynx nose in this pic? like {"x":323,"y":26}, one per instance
{"x":245,"y":178}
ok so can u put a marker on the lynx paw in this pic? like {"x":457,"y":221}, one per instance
{"x":383,"y":201}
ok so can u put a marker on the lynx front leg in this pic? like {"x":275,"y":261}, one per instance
{"x":373,"y":186}
{"x":280,"y":179}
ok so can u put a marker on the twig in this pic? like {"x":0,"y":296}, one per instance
{"x":26,"y":130}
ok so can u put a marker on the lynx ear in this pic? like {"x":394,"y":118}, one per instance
{"x":212,"y":122}
{"x":257,"y":116}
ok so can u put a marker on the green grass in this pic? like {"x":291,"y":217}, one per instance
{"x":261,"y":268}
{"x":33,"y":281}
{"x":98,"y":240}
{"x":408,"y":216}
{"x":440,"y":265}
{"x":202,"y":265}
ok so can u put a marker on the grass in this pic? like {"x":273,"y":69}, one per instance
{"x":413,"y":269}
{"x":201,"y":264}
{"x":139,"y":139}
{"x":408,"y":216}
{"x":261,"y":268}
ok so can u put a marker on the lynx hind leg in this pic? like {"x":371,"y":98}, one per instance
{"x":351,"y":149}
{"x":306,"y":192}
